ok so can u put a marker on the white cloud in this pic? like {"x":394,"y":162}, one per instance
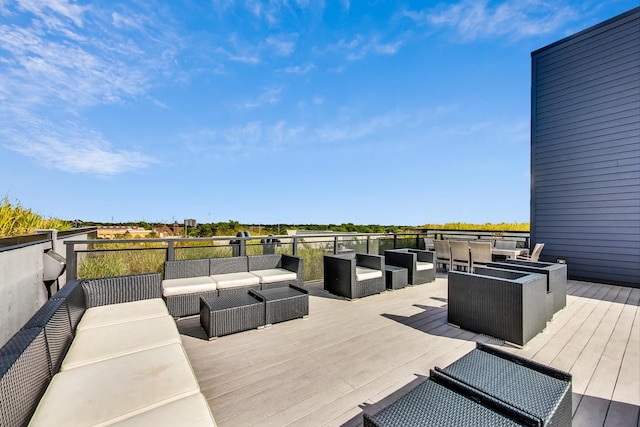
{"x":59,"y":59}
{"x":281,"y":47}
{"x":360,"y":46}
{"x":269,"y":96}
{"x":61,"y":8}
{"x":297,"y":69}
{"x":473,"y":19}
{"x":70,"y":147}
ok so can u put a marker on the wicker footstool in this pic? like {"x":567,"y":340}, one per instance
{"x":283,"y":304}
{"x":395,"y":277}
{"x":228,"y":314}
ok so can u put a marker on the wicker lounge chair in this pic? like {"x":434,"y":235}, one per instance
{"x":354,"y":275}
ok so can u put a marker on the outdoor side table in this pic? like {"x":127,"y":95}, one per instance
{"x":285,"y":303}
{"x":228,"y":314}
{"x":396,"y":277}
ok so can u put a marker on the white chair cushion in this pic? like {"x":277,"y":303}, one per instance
{"x":420,"y":266}
{"x":188,"y":285}
{"x":116,"y":389}
{"x":274,"y":275}
{"x":122,"y":313}
{"x":231,"y":280}
{"x":364,"y":273}
{"x":192,"y":411}
{"x":106,"y":342}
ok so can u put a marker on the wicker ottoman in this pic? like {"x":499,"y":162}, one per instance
{"x":228,"y":314}
{"x":395,"y":277}
{"x":285,"y":303}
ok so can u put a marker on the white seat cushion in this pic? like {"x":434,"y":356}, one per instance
{"x":106,"y":342}
{"x":364,"y":273}
{"x":122,"y":313}
{"x":116,"y":389}
{"x":231,"y":280}
{"x":274,"y":275}
{"x":187,"y":285}
{"x":420,"y":266}
{"x":192,"y":411}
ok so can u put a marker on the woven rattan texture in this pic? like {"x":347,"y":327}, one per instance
{"x":226,"y":315}
{"x":73,"y":293}
{"x":116,"y":290}
{"x":53,"y":316}
{"x":527,"y":389}
{"x":24,"y":376}
{"x":186,"y":268}
{"x":282,"y":304}
{"x":228,"y":265}
{"x":432,"y":404}
{"x":187,"y":304}
{"x":264,"y":262}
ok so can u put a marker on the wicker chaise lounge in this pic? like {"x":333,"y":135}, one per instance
{"x":486,"y":387}
{"x":354,"y":275}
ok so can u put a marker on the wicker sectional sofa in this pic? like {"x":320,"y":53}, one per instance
{"x":101,"y":352}
{"x":186,"y":281}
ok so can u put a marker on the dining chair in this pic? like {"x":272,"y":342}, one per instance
{"x":459,"y":254}
{"x":428,"y":243}
{"x":505,"y":244}
{"x":480,"y":253}
{"x":535,"y":253}
{"x":443,"y":253}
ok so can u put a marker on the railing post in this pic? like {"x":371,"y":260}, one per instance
{"x":368,"y":244}
{"x":171,"y":251}
{"x":243,"y":247}
{"x":335,"y":245}
{"x":72,"y":262}
{"x":417,"y":241}
{"x":294,"y":246}
{"x":395,"y":241}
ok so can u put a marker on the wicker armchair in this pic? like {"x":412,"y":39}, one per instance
{"x":420,"y":264}
{"x":354,"y":275}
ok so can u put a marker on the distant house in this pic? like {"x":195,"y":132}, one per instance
{"x":585,"y":151}
{"x":164,"y":231}
{"x":117,"y":231}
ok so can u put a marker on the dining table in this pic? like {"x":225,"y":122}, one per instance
{"x":509,"y":253}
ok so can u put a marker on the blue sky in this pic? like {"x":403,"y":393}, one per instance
{"x":279,"y":111}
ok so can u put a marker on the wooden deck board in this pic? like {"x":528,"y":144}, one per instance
{"x":350,"y":357}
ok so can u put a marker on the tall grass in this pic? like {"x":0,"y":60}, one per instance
{"x":503,"y":226}
{"x":16,"y":220}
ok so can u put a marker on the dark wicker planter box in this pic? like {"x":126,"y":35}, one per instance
{"x":556,"y":278}
{"x":506,"y":304}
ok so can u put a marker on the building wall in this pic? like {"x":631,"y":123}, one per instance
{"x":585,"y":151}
{"x":23,"y":291}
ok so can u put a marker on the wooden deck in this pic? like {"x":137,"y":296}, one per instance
{"x":353,"y":356}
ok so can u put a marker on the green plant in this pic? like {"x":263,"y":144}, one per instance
{"x":16,"y":220}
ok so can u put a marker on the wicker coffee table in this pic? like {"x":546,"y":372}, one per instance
{"x":229,"y":314}
{"x":284,"y":303}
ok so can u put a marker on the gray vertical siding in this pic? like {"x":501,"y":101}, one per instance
{"x":585,"y":151}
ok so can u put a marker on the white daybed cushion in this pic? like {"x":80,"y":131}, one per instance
{"x":420,"y":266}
{"x":105,"y":342}
{"x":187,"y":285}
{"x":116,"y":389}
{"x":122,"y":313}
{"x":274,"y":275}
{"x":364,"y":273}
{"x":192,"y":411}
{"x":231,"y":280}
